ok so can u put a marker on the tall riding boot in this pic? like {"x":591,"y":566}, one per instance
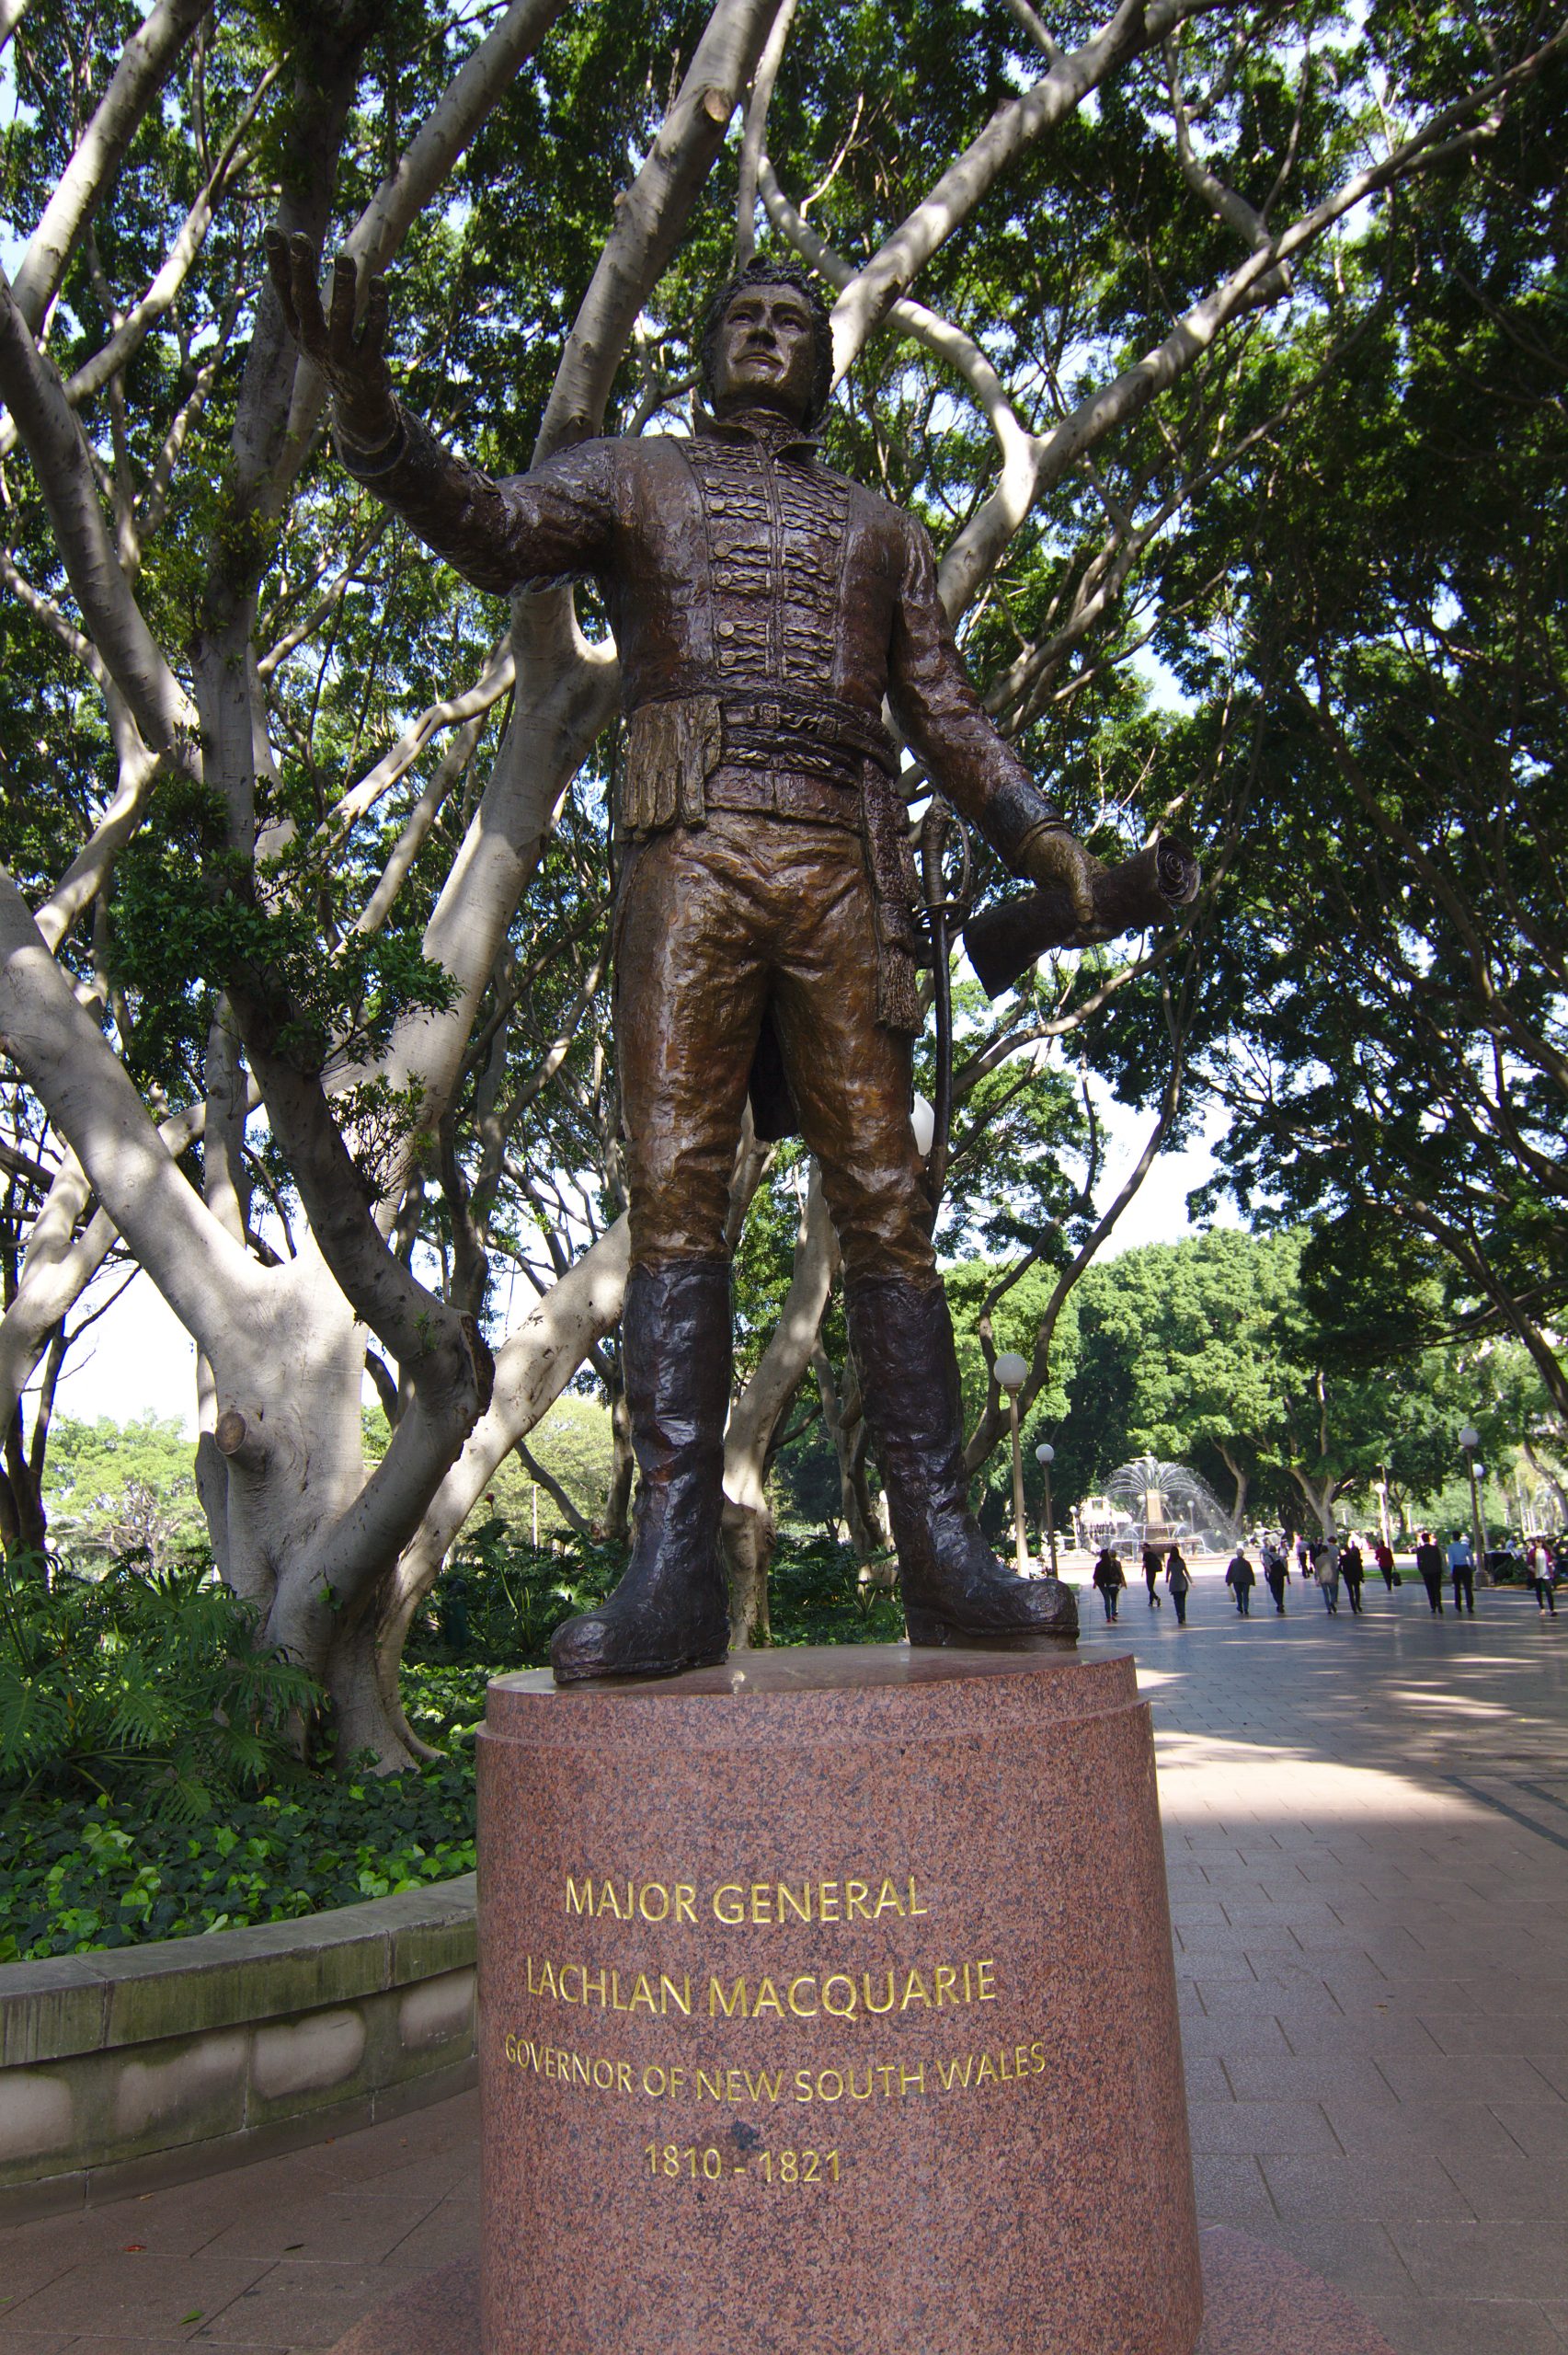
{"x":671,"y":1610}
{"x":955,"y":1592}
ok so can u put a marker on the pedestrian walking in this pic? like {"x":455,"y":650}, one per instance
{"x":1353,"y":1570}
{"x":1276,"y":1572}
{"x":1383,"y":1555}
{"x":1240,"y":1579}
{"x":1110,"y":1577}
{"x":1429,"y":1562}
{"x":1462,"y":1569}
{"x":1540,"y":1579}
{"x":1150,"y":1573}
{"x":1326,"y":1569}
{"x":1178,"y":1577}
{"x":1303,"y":1559}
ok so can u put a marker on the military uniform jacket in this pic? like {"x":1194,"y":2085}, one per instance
{"x":762,"y":606}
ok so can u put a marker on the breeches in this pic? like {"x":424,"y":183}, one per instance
{"x":752,"y":914}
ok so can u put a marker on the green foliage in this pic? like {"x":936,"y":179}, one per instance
{"x":143,"y":1683}
{"x":76,"y":1875}
{"x":111,"y":1488}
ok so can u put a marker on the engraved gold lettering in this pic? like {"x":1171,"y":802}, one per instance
{"x":734,"y":2081}
{"x":911,"y":2080}
{"x":855,"y":2094}
{"x":610,"y":1904}
{"x":915,"y":1992}
{"x":915,"y":1909}
{"x":764,"y":2087}
{"x":761,"y":1903}
{"x":822,"y":2080}
{"x":654,"y":2080}
{"x":842,"y":2011}
{"x":799,"y":1906}
{"x":594,"y":1981}
{"x":651,"y":1890}
{"x":642,"y":1994}
{"x":732,"y":2005}
{"x":1020,"y":2061}
{"x":528,"y":1963}
{"x":615,"y":2003}
{"x":800,"y":2010}
{"x":711,"y":2088}
{"x":680,"y":1996}
{"x":985,"y":1972}
{"x":828,"y":1901}
{"x":579,"y":1901}
{"x":580,"y":2073}
{"x":767,"y":2000}
{"x":1038,"y":2059}
{"x":803,"y":2085}
{"x":855,"y":1895}
{"x":946,"y":1985}
{"x":685,"y":1901}
{"x":884,"y":2071}
{"x":547,"y":1982}
{"x":865,"y":1989}
{"x":967,"y":1997}
{"x":508,"y":2046}
{"x":622,"y":2077}
{"x":888,"y":1901}
{"x":1006,"y":2073}
{"x":733,"y":1907}
{"x":603,"y":2076}
{"x":987,"y":2068}
{"x":954,"y":2073}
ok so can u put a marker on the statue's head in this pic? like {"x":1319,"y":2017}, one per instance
{"x":766,"y":342}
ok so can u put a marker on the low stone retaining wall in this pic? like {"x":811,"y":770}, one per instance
{"x":123,"y":2071}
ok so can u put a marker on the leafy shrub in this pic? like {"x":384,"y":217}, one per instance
{"x":141,"y":1681}
{"x":76,"y":1875}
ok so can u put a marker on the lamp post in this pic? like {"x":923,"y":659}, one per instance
{"x":1045,"y":1456}
{"x":1470,"y":1440}
{"x":1011,"y":1373}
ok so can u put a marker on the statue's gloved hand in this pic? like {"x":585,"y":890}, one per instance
{"x":353,"y":363}
{"x":1054,"y":858}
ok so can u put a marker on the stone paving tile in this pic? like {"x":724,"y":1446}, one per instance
{"x":1539,"y":2128}
{"x":450,"y":2231}
{"x":1506,"y":2189}
{"x":1310,"y":2076}
{"x":1419,"y":2128}
{"x":1491,"y":2077}
{"x":1303,"y":2187}
{"x":147,"y":2295}
{"x":1485,"y":2260}
{"x":1255,"y":2129}
{"x":1463,"y":2325}
{"x":24,"y":2342}
{"x":298,"y":2304}
{"x":319,"y":2225}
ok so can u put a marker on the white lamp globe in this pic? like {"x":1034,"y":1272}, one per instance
{"x":1012,"y":1371}
{"x":1045,"y":1453}
{"x":922,"y":1119}
{"x":1470,"y":1436}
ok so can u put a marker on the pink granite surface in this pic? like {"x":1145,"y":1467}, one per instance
{"x":975,"y":1837}
{"x":1256,"y":2301}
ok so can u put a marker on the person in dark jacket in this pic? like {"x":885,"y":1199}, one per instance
{"x":1110,"y":1577}
{"x":1353,"y":1570}
{"x":1276,"y":1572}
{"x":1240,"y":1579}
{"x":1178,"y":1577}
{"x":1429,"y":1562}
{"x":1151,"y":1573}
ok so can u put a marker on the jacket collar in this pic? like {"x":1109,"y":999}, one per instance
{"x":764,"y":427}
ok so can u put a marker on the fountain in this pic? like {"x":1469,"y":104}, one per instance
{"x":1168,"y":1504}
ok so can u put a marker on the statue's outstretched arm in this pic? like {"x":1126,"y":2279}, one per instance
{"x":934,"y":702}
{"x":555,"y":523}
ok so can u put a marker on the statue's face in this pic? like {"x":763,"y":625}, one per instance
{"x":766,"y":352}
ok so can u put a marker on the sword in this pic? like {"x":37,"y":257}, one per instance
{"x":941,"y":906}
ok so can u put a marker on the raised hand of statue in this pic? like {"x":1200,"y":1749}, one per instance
{"x":1055,"y":857}
{"x":353,"y":363}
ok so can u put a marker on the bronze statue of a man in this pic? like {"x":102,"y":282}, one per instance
{"x":763,"y":607}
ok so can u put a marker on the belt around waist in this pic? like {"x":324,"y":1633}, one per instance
{"x":783,"y":793}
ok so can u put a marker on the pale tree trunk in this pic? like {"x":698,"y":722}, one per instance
{"x":1240,"y":1476}
{"x":844,"y":1422}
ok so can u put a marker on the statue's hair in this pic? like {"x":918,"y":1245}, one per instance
{"x":759,"y":271}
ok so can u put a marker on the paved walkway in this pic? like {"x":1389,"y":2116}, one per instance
{"x":1368,"y":1833}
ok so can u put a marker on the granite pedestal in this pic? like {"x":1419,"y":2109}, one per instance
{"x":827,"y":2007}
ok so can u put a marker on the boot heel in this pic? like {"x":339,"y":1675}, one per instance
{"x":927,"y":1632}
